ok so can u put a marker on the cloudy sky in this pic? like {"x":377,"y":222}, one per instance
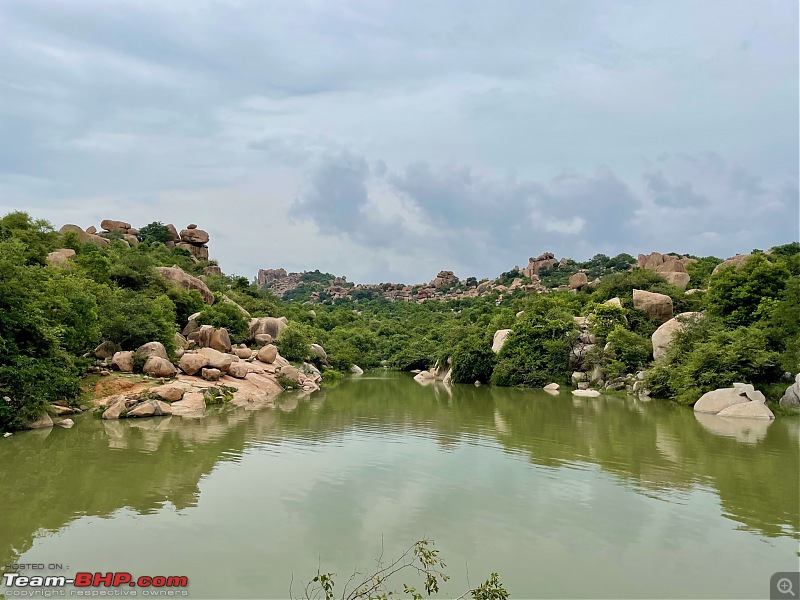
{"x":388,"y":140}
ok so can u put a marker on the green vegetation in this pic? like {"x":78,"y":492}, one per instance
{"x":52,"y":316}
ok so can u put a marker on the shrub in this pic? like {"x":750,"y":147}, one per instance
{"x":224,"y":314}
{"x":132,"y":319}
{"x":629,"y":348}
{"x":473,"y":360}
{"x":294,"y":342}
{"x":537,"y":350}
{"x":604,"y":318}
{"x":155,"y":232}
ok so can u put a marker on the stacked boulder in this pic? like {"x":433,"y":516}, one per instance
{"x":672,"y":268}
{"x":543,"y":262}
{"x":742,"y":401}
{"x":124,"y":229}
{"x":195,"y":241}
{"x":444,"y":279}
{"x":85,"y":237}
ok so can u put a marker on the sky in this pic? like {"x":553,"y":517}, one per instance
{"x":386,"y":141}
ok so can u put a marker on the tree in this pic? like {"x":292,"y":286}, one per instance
{"x":473,"y":360}
{"x":155,"y":232}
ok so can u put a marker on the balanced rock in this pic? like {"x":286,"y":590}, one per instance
{"x":115,"y":226}
{"x":194,"y":236}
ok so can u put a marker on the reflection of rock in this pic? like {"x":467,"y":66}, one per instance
{"x":749,"y":431}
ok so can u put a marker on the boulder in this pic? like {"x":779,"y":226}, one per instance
{"x":747,"y":410}
{"x":663,"y":335}
{"x":155,"y":366}
{"x":106,"y":350}
{"x":170,"y":393}
{"x":292,"y":374}
{"x":152,"y":349}
{"x":791,"y":398}
{"x":115,"y":407}
{"x":262,"y":339}
{"x":614,"y":302}
{"x":214,"y":270}
{"x":131,"y":239}
{"x":319,"y":352}
{"x":115,"y":226}
{"x":174,"y":232}
{"x":66,"y":423}
{"x":654,"y":305}
{"x":717,"y":400}
{"x":577,"y":377}
{"x":266,"y":325}
{"x":192,"y":362}
{"x":243,"y":353}
{"x":578,"y":281}
{"x":267,"y":354}
{"x":211,"y":374}
{"x":179,"y":341}
{"x":552,"y":387}
{"x":679,"y":280}
{"x":123,"y":361}
{"x":183,"y":280}
{"x":194,"y":236}
{"x":91,"y":229}
{"x":202,"y":336}
{"x":145,"y":409}
{"x":356,"y":370}
{"x":220,"y":340}
{"x":217,"y":359}
{"x":586,"y":393}
{"x":736,"y":262}
{"x":197,"y":251}
{"x":83,"y":237}
{"x":239,"y":369}
{"x":42,"y":422}
{"x":499,"y":339}
{"x":193,"y":404}
{"x":59,"y":258}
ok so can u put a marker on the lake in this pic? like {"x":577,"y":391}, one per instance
{"x":562,"y":496}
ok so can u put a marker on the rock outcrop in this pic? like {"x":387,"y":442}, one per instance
{"x":735,"y":261}
{"x":60,"y":258}
{"x":84,"y":237}
{"x":541,"y":263}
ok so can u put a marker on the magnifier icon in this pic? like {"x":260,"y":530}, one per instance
{"x":784,"y":586}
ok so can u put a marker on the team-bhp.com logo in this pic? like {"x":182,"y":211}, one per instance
{"x":94,"y":584}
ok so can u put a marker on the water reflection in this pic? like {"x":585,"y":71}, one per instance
{"x":50,"y":478}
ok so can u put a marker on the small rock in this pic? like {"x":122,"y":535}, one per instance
{"x":552,"y":386}
{"x":7,"y":434}
{"x":586,"y":393}
{"x":66,"y":423}
{"x":211,"y":374}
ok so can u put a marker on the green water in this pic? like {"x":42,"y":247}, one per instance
{"x":564,"y":497}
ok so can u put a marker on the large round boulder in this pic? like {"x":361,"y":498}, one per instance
{"x":663,"y":335}
{"x":192,"y":362}
{"x":578,"y":281}
{"x":718,"y":400}
{"x":216,"y":359}
{"x":155,"y":366}
{"x":266,"y":325}
{"x":220,"y":340}
{"x":152,"y":349}
{"x":654,"y":305}
{"x":268,"y":354}
{"x":194,"y":236}
{"x":123,"y":361}
{"x":747,"y":410}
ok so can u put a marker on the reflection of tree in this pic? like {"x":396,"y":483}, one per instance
{"x":99,"y":467}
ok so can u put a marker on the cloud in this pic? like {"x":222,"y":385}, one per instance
{"x":372,"y":138}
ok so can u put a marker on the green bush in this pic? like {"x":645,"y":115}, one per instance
{"x":604,"y":318}
{"x":132,"y":319}
{"x":630,"y":349}
{"x":537,"y":350}
{"x":706,"y":356}
{"x":473,"y":360}
{"x":294,"y":342}
{"x":155,"y":232}
{"x":224,"y":314}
